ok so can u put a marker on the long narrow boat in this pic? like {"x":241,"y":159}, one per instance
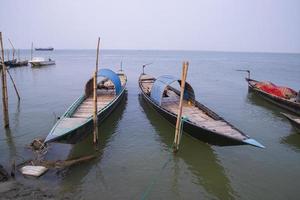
{"x":77,"y":121}
{"x":10,"y":62}
{"x":44,"y":49}
{"x":39,"y":61}
{"x":295,"y":121}
{"x":202,"y":123}
{"x":291,"y":102}
{"x":19,"y":63}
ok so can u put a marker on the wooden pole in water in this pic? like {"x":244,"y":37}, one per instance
{"x":12,"y":80}
{"x":13,"y":48}
{"x":95,"y":116}
{"x":97,"y":58}
{"x":31,"y":51}
{"x":4,"y":88}
{"x":179,"y":121}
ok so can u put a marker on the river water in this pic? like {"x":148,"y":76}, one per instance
{"x":135,"y":160}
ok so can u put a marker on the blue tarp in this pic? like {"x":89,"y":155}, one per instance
{"x":113,"y":77}
{"x":162,"y":82}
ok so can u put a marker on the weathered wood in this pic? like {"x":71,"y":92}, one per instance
{"x":97,"y":57}
{"x":179,"y":121}
{"x":4,"y":88}
{"x":59,"y":164}
{"x":95,"y":116}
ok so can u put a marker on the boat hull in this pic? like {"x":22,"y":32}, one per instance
{"x":283,"y":103}
{"x":19,"y":64}
{"x":195,"y":131}
{"x":292,"y":120}
{"x":42,"y":63}
{"x":85,"y":129}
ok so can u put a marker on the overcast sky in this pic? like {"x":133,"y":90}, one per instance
{"x":217,"y":25}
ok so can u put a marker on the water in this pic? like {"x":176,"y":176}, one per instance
{"x":135,"y":156}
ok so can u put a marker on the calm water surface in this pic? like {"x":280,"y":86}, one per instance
{"x":135,"y":158}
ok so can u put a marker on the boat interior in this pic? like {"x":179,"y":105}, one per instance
{"x":191,"y":110}
{"x":105,"y":94}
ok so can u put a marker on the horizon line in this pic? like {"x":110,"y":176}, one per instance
{"x":186,"y":50}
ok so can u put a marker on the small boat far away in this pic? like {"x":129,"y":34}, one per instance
{"x":44,"y":49}
{"x":39,"y":61}
{"x":283,"y":97}
{"x":202,"y":123}
{"x":77,"y":121}
{"x":294,"y":120}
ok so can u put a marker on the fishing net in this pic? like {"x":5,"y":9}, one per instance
{"x":271,"y":88}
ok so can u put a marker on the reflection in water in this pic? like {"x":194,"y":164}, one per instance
{"x":106,"y":130}
{"x":293,"y":140}
{"x":270,"y":107}
{"x":10,"y":143}
{"x":199,"y":157}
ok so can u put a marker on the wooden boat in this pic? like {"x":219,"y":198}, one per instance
{"x":44,"y":49}
{"x":77,"y":121}
{"x":292,"y":103}
{"x":10,"y":62}
{"x":295,"y":121}
{"x":202,"y":122}
{"x":38,"y":61}
{"x":20,"y":63}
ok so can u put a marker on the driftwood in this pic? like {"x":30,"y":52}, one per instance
{"x":58,"y":164}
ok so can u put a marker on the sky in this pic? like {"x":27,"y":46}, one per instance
{"x":210,"y":25}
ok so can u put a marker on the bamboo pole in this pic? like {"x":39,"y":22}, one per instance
{"x":31,"y":51}
{"x":179,"y":121}
{"x":13,"y":48}
{"x":97,"y":54}
{"x":4,"y":88}
{"x":95,"y":117}
{"x":12,"y":80}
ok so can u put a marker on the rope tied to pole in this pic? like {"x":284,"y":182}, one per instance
{"x":183,"y":119}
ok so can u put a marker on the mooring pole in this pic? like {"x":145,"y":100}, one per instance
{"x":95,"y":116}
{"x":13,"y":48}
{"x":4,"y":88}
{"x":12,"y":80}
{"x":31,"y":51}
{"x":179,"y":121}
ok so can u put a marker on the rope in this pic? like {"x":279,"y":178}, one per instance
{"x":183,"y":119}
{"x":155,"y":179}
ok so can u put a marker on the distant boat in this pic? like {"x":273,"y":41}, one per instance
{"x":19,"y":63}
{"x":77,"y":121}
{"x":39,"y":61}
{"x":295,"y":121}
{"x":202,"y":123}
{"x":44,"y":49}
{"x":10,"y":62}
{"x":283,"y":97}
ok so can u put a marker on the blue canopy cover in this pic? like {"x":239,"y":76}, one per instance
{"x":162,"y":82}
{"x":111,"y":75}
